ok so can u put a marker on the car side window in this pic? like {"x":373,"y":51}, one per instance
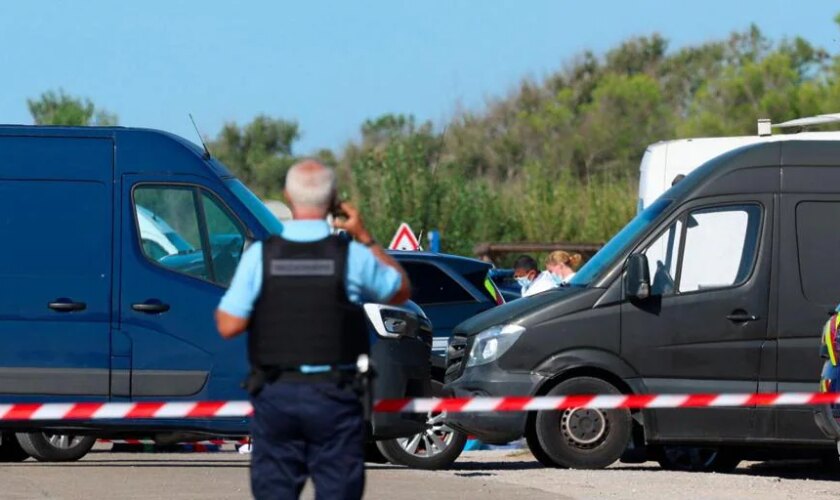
{"x":430,"y":285}
{"x":185,"y":229}
{"x":662,"y":259}
{"x":720,"y":247}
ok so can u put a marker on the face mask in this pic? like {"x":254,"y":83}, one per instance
{"x":558,"y":280}
{"x":524,"y":281}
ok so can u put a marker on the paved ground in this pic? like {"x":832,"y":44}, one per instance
{"x":487,"y":475}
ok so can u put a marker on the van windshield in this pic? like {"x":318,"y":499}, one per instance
{"x":257,"y":207}
{"x":618,"y":244}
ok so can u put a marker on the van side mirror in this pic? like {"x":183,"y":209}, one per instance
{"x":637,"y":277}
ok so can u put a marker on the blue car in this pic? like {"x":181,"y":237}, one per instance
{"x":118,"y":245}
{"x":450,"y":289}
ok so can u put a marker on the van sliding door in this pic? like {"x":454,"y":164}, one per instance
{"x":809,"y":289}
{"x":55,"y":266}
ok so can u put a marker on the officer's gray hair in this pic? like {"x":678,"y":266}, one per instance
{"x":310,"y":184}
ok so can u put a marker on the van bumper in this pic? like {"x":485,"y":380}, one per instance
{"x":491,"y":381}
{"x":402,"y":371}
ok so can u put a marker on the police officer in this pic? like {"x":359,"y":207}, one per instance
{"x":299,"y":295}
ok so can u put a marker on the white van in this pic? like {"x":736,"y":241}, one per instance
{"x":665,"y":160}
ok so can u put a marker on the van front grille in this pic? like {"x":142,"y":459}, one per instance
{"x":455,"y":353}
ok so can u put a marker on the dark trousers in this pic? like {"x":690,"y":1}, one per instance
{"x":307,"y":429}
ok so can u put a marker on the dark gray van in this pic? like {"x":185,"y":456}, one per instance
{"x":720,"y":286}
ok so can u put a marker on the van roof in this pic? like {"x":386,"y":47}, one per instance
{"x":90,"y":131}
{"x":790,"y":154}
{"x":743,"y":140}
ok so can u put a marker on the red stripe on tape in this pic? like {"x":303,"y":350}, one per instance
{"x":698,"y":400}
{"x":390,"y":405}
{"x":761,"y":399}
{"x":205,"y":409}
{"x":513,"y":403}
{"x":22,"y":411}
{"x":144,"y":410}
{"x":575,"y":401}
{"x":823,"y":398}
{"x":637,"y":401}
{"x":453,"y":405}
{"x":83,"y":411}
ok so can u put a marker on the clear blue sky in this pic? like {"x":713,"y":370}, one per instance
{"x":330,"y":65}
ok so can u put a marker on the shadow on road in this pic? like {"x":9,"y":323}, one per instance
{"x":793,"y":469}
{"x":130,"y":462}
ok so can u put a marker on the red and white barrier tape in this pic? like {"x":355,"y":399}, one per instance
{"x":216,"y":409}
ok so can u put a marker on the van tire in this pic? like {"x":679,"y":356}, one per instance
{"x":536,"y":449}
{"x":10,"y":450}
{"x":38,"y":445}
{"x":584,"y":439}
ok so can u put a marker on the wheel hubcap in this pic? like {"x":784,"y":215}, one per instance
{"x":434,"y":440}
{"x":62,"y":441}
{"x":583,"y":426}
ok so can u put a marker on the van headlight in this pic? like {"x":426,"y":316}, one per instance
{"x":492,"y":343}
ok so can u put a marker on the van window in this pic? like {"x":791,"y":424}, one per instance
{"x":662,"y":259}
{"x":720,"y":247}
{"x":818,"y":240}
{"x":430,"y":285}
{"x":199,"y":239}
{"x":226,"y":239}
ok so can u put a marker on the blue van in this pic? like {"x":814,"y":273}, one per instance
{"x":117,"y":245}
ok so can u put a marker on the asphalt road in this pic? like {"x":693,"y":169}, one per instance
{"x":486,"y":475}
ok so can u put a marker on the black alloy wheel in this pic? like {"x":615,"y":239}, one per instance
{"x":51,"y":447}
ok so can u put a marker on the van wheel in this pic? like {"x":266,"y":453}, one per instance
{"x":582,"y":438}
{"x":10,"y":450}
{"x":691,"y":459}
{"x":537,"y":450}
{"x":49,"y":447}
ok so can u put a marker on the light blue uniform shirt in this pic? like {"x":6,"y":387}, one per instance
{"x":367,"y":280}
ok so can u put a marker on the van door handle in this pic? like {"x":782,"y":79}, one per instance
{"x":150,"y":307}
{"x":66,"y":305}
{"x":741,"y":317}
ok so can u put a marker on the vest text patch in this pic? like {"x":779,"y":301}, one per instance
{"x":302,"y":267}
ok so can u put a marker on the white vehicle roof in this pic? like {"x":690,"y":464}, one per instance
{"x":665,"y":160}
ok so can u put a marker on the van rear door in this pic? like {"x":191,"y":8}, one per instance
{"x":55,"y":266}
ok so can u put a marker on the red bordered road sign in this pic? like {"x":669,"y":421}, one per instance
{"x":404,"y":239}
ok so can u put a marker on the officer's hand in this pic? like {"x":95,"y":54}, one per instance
{"x":353,"y":224}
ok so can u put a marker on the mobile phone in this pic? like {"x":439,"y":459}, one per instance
{"x":335,"y":207}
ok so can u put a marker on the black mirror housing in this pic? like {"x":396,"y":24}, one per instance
{"x":637,"y":277}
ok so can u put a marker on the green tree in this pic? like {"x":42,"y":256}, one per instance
{"x":259,"y":153}
{"x":59,"y":108}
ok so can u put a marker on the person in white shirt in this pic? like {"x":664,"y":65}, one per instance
{"x":560,"y":268}
{"x":525,"y":270}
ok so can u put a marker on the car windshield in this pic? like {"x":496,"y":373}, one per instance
{"x":257,"y":207}
{"x":618,"y":244}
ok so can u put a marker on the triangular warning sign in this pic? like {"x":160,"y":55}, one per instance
{"x":404,"y":239}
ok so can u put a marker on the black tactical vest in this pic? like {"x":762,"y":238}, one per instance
{"x":302,"y":315}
